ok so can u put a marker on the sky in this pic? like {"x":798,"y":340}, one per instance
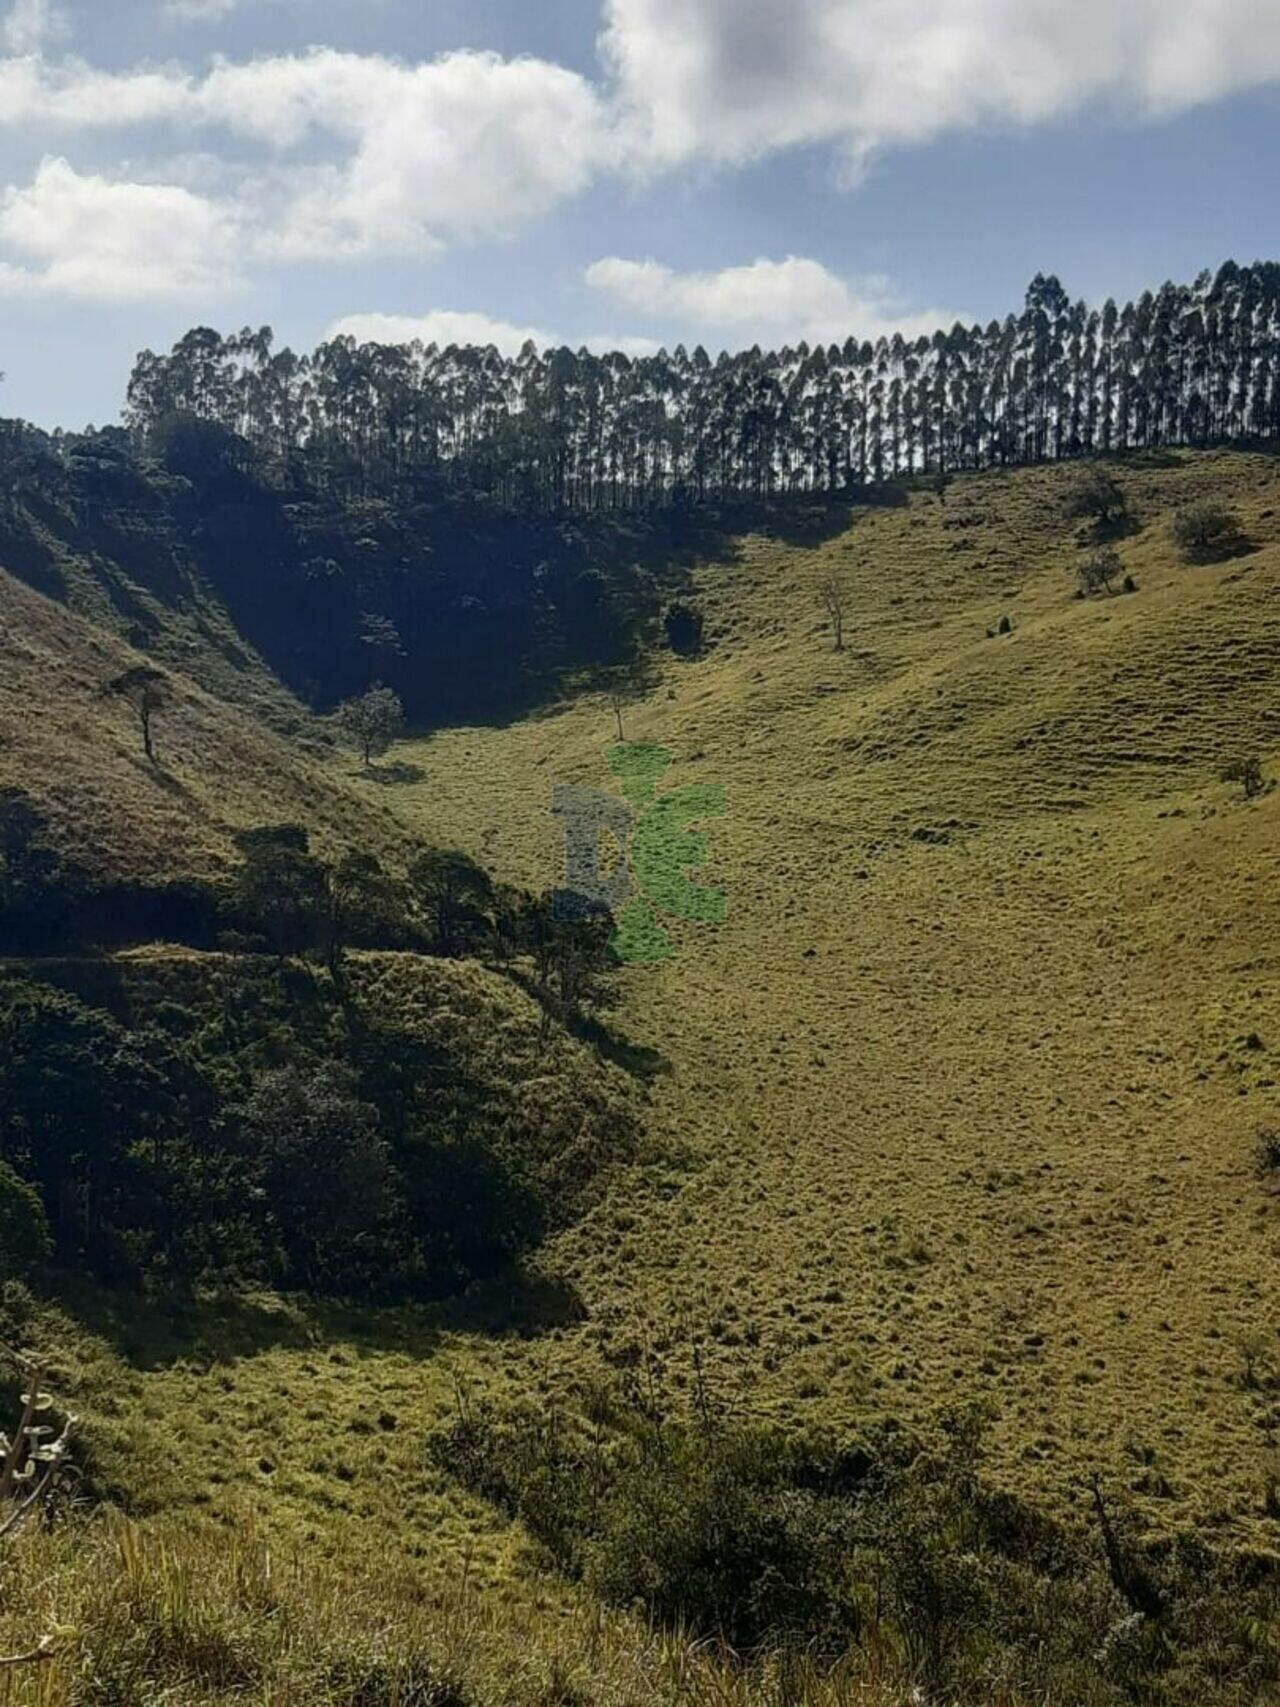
{"x":617,"y":173}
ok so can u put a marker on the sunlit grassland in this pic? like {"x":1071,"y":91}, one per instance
{"x":959,"y":1102}
{"x":967,"y":1082}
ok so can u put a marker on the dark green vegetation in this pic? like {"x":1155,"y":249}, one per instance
{"x":251,"y":1117}
{"x":1187,"y":365}
{"x":766,"y":1540}
{"x":225,"y":1121}
{"x":205,"y":558}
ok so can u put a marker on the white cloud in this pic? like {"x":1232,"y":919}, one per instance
{"x":468,"y":145}
{"x":31,"y":25}
{"x":86,"y":236}
{"x":360,"y":155}
{"x":36,"y":96}
{"x":444,"y":327}
{"x":200,"y":11}
{"x":728,"y":81}
{"x":462,"y":146}
{"x":765,"y":301}
{"x":440,"y":326}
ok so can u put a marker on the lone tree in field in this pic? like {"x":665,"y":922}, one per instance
{"x":372,"y":721}
{"x":1098,"y":570}
{"x":148,"y":692}
{"x":628,"y":683}
{"x":1206,"y":532}
{"x":833,"y":594}
{"x":1094,"y":496}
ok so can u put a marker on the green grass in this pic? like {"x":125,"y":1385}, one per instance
{"x":960,"y":1101}
{"x":963,"y":1076}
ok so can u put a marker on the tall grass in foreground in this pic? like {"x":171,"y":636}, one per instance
{"x":181,"y":1615}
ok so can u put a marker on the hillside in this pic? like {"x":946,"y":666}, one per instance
{"x":970,"y":1077}
{"x":960,"y":1102}
{"x":223,"y":763}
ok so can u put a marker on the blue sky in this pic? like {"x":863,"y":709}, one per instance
{"x":630,"y":171}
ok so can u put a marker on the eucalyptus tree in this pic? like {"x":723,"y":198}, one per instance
{"x":560,"y":430}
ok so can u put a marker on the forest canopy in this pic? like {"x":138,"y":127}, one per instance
{"x":1189,"y":364}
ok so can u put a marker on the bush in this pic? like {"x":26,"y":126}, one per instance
{"x":799,"y":1547}
{"x":1098,"y":570}
{"x":684,"y":626}
{"x":25,"y":1239}
{"x":1267,"y":1151}
{"x":1093,"y":495}
{"x":1207,"y":532}
{"x":1248,"y":773}
{"x":734,"y":1532}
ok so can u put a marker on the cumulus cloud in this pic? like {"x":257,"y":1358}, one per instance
{"x":89,"y":237}
{"x":765,"y":301}
{"x":440,"y":326}
{"x":466,"y":145}
{"x":340,"y":154}
{"x":727,"y":81}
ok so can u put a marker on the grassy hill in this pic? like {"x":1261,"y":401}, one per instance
{"x":224,"y":763}
{"x":960,"y":1102}
{"x":969,"y":1079}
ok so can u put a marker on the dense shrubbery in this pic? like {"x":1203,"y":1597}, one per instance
{"x":767,"y":1540}
{"x":274,"y":1123}
{"x":25,"y":1240}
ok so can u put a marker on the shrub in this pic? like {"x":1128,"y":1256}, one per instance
{"x":1267,"y":1151}
{"x":1206,"y":532}
{"x":729,"y":1532}
{"x":1248,"y":773}
{"x":1093,"y":495}
{"x":684,"y":626}
{"x":1098,"y":570}
{"x":25,"y":1239}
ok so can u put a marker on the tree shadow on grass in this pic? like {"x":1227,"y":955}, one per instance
{"x":217,"y":1329}
{"x":636,"y":1059}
